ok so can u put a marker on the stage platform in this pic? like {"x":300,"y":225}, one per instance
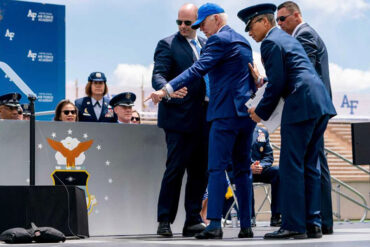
{"x":346,"y":234}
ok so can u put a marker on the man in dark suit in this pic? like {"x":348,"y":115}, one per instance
{"x":290,"y":19}
{"x":95,"y":106}
{"x":183,"y":121}
{"x":223,"y":57}
{"x":262,"y":158}
{"x":305,"y":116}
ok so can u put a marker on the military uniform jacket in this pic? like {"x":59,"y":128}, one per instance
{"x":291,"y":76}
{"x":261,"y":149}
{"x":86,"y":111}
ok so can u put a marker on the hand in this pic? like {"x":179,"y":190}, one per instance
{"x":256,"y":167}
{"x":253,"y":115}
{"x":256,"y":75}
{"x":181,"y":93}
{"x":156,"y":96}
{"x":254,"y":71}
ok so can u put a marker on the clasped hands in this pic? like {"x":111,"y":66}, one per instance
{"x":256,"y":168}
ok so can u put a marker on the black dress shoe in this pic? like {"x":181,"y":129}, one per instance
{"x":314,"y":231}
{"x":190,"y":231}
{"x":327,"y":230}
{"x":275,"y":220}
{"x":285,"y":234}
{"x":164,"y":229}
{"x":245,"y":233}
{"x":210,"y":234}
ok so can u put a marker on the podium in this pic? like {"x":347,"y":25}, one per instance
{"x":63,"y":208}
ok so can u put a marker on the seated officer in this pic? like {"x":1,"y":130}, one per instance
{"x":122,"y":106}
{"x":9,"y":104}
{"x":263,"y":171}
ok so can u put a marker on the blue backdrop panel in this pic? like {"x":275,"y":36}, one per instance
{"x":32,"y":51}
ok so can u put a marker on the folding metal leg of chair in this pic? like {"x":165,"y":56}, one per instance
{"x":267,"y":197}
{"x":235,"y":203}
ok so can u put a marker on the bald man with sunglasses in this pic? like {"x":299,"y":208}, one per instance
{"x":184,"y":124}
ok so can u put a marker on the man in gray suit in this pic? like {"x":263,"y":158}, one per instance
{"x":290,"y":19}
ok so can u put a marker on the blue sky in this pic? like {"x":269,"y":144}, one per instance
{"x":118,"y":37}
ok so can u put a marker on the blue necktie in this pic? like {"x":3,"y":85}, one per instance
{"x":206,"y":79}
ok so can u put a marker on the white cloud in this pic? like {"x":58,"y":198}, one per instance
{"x":353,"y":8}
{"x":349,"y":80}
{"x":132,"y":75}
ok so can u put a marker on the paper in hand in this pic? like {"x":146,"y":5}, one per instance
{"x":275,"y":119}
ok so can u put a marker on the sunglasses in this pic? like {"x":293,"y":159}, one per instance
{"x":135,"y":119}
{"x":66,"y":112}
{"x":187,"y":23}
{"x":282,"y":18}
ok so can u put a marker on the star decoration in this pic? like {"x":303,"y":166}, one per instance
{"x":53,"y":135}
{"x":106,"y":198}
{"x":69,"y":132}
{"x":110,"y":180}
{"x":39,"y":146}
{"x":85,"y":136}
{"x":28,"y":180}
{"x":96,"y":211}
{"x":107,"y":163}
{"x":98,"y":147}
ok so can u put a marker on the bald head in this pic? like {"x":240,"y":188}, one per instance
{"x":189,"y":8}
{"x":187,"y":12}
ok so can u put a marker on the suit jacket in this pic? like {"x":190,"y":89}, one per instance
{"x":261,"y":149}
{"x":225,"y":58}
{"x":291,"y":76}
{"x":316,"y":51}
{"x":86,"y":111}
{"x":172,"y":56}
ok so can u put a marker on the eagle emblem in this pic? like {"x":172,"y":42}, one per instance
{"x":70,"y":154}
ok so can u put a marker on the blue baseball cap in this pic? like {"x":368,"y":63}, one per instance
{"x":247,"y":14}
{"x":206,"y":10}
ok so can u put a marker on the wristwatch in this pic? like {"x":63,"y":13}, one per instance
{"x":167,"y":95}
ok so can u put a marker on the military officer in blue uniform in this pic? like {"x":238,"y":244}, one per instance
{"x":9,"y":104}
{"x":305,"y":115}
{"x":122,"y":106}
{"x":262,"y":158}
{"x":95,"y":106}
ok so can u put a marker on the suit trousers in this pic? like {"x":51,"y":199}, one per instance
{"x":185,"y":152}
{"x":326,"y":202}
{"x":300,"y":174}
{"x":229,"y":142}
{"x":269,"y":175}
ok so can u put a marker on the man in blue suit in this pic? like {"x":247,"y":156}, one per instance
{"x":95,"y":106}
{"x":290,"y":19}
{"x":305,"y":116}
{"x":225,"y":59}
{"x":183,"y":121}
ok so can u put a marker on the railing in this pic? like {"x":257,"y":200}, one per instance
{"x":350,"y":188}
